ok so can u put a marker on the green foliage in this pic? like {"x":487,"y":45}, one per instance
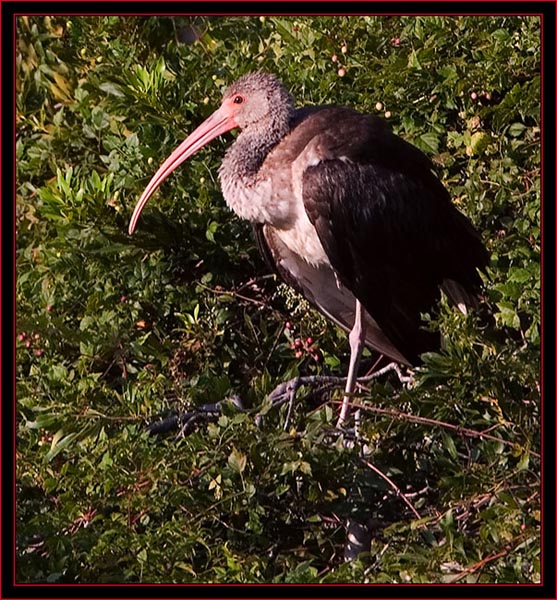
{"x":113,"y":330}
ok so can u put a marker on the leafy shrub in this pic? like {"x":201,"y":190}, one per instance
{"x":114,"y":330}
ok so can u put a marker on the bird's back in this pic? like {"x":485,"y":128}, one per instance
{"x":386,"y":223}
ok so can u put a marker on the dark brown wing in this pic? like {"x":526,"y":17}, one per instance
{"x":388,"y":226}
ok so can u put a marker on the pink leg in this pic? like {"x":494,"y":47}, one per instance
{"x":357,"y":337}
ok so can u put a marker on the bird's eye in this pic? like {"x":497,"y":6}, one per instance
{"x":238,"y":99}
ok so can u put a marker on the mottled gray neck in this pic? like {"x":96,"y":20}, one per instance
{"x":244,"y":191}
{"x":252,"y":146}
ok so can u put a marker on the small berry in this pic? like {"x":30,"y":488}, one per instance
{"x":473,"y":95}
{"x":344,"y":49}
{"x":388,"y":114}
{"x":309,"y":341}
{"x":28,"y":344}
{"x":123,"y":298}
{"x":334,"y":58}
{"x":298,"y":353}
{"x":488,"y":96}
{"x":48,"y":308}
{"x":297,"y":343}
{"x":379,"y":106}
{"x":38,"y":352}
{"x":341,"y":72}
{"x":395,"y":42}
{"x":37,"y":336}
{"x":288,"y":325}
{"x":21,"y":336}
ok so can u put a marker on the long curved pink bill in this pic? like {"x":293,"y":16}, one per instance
{"x":218,"y":123}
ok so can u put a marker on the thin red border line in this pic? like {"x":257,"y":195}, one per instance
{"x":292,"y":2}
{"x":541,"y":364}
{"x":279,"y":13}
{"x":13,"y":284}
{"x":540,"y":15}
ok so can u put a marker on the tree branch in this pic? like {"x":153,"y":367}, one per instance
{"x":396,"y":414}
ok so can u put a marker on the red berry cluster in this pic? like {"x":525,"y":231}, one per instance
{"x":303,"y":347}
{"x":31,"y":341}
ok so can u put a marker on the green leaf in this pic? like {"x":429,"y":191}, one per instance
{"x":112,"y":88}
{"x":413,"y":62}
{"x":479,"y":142}
{"x":450,"y":445}
{"x":517,"y":129}
{"x":237,"y":461}
{"x":429,"y":142}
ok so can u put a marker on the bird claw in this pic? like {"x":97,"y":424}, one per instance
{"x":284,"y":392}
{"x":408,"y":379}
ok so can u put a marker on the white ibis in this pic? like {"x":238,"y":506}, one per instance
{"x":348,"y":213}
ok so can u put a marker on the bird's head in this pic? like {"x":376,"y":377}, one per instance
{"x":258,"y":100}
{"x":255,"y":102}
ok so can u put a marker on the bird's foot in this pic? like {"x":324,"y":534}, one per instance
{"x":407,"y":377}
{"x":285,"y":392}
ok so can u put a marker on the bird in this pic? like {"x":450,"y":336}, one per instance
{"x":346,"y":212}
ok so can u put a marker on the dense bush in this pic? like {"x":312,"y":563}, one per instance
{"x":113,"y":330}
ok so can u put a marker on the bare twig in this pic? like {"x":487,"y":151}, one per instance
{"x":233,"y":294}
{"x":394,"y":486}
{"x":481,"y":564}
{"x":396,"y":414}
{"x":254,"y":280}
